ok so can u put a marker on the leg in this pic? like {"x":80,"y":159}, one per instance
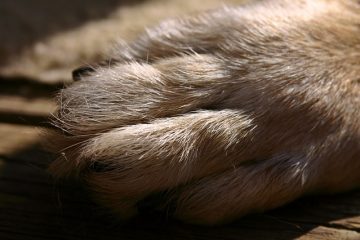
{"x":273,"y":104}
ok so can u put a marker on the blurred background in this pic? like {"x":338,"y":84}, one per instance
{"x":41,"y":42}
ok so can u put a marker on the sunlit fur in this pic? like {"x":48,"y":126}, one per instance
{"x":234,"y":111}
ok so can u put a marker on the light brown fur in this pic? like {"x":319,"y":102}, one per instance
{"x":234,"y":111}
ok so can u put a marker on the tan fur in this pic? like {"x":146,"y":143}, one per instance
{"x":236,"y":110}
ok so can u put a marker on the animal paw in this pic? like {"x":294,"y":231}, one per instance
{"x":230,"y":112}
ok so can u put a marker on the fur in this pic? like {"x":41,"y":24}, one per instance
{"x":232,"y":111}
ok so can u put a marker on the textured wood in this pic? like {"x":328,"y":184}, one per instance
{"x":33,"y":206}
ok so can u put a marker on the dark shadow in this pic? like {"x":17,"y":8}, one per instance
{"x":24,"y":22}
{"x":33,"y":206}
{"x":24,"y":119}
{"x":28,"y":88}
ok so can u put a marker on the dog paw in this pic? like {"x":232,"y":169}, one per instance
{"x":234,"y":111}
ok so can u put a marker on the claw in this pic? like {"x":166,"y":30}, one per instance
{"x":81,"y":71}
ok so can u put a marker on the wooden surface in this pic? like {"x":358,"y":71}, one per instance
{"x":32,"y":206}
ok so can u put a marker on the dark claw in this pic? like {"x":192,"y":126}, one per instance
{"x":81,"y":71}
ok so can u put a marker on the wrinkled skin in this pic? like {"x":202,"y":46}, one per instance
{"x":228,"y":112}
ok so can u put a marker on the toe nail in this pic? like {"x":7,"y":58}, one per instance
{"x":81,"y":71}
